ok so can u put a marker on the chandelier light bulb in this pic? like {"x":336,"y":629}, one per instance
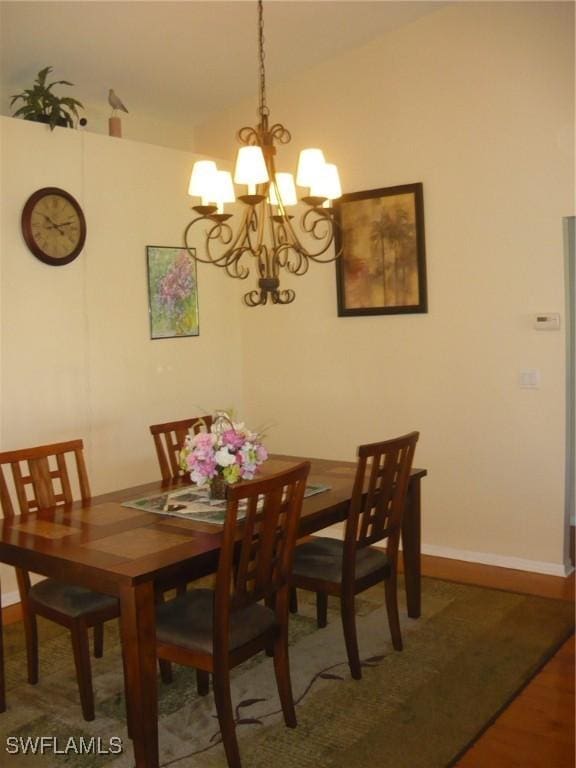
{"x":202,"y":180}
{"x":310,"y":165}
{"x":223,"y":190}
{"x":250,"y":168}
{"x":327,"y":183}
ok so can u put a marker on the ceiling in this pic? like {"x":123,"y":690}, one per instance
{"x":181,"y":61}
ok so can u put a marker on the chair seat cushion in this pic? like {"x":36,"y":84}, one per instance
{"x":321,"y":558}
{"x":187,"y":621}
{"x":70,"y":600}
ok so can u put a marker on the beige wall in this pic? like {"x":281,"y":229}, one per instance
{"x":76,"y":356}
{"x":477,"y":102}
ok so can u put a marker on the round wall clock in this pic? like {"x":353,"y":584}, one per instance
{"x":53,"y":226}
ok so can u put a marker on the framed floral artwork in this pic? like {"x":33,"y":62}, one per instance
{"x":382,"y":266}
{"x":172,"y":292}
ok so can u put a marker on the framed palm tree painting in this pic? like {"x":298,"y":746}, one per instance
{"x":382,"y":266}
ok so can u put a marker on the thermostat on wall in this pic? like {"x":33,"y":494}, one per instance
{"x":547,"y":321}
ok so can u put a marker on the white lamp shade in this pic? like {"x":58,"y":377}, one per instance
{"x":250,"y":166}
{"x":202,"y":179}
{"x":286,"y":190}
{"x":223,"y":189}
{"x":310,"y":163}
{"x":327,"y":183}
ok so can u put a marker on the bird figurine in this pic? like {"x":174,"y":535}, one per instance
{"x":115,"y":102}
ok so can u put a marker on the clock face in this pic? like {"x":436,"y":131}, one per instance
{"x":53,"y":226}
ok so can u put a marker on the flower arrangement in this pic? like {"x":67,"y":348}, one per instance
{"x":229,"y":451}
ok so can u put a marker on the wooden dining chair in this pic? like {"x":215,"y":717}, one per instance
{"x":247,"y":611}
{"x":344,"y":568}
{"x":40,"y":479}
{"x":169,"y":440}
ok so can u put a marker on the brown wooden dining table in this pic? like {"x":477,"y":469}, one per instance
{"x":132,"y":554}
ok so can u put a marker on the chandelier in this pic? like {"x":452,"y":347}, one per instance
{"x":266,"y":236}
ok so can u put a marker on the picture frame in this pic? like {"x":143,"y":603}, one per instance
{"x":379,"y":235}
{"x":172,"y":292}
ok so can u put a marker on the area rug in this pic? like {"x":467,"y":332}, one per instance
{"x":469,"y":654}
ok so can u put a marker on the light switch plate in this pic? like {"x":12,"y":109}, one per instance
{"x":530,"y":378}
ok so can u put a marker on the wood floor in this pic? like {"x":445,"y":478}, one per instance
{"x":537,"y":729}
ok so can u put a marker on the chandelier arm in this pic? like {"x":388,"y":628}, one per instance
{"x":283,"y":297}
{"x":291,"y":258}
{"x":216,"y":232}
{"x":280,"y":133}
{"x":311,"y":226}
{"x":242,"y":234}
{"x":312,"y":222}
{"x":248,"y":135}
{"x":242,"y":245}
{"x":234,"y":267}
{"x":255,"y":298}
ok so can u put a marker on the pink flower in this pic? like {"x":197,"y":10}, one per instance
{"x":233,"y":438}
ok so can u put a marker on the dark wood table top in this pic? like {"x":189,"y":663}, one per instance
{"x":105,"y":544}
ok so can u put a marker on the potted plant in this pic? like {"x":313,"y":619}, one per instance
{"x":42,"y":106}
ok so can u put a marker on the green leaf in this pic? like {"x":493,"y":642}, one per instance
{"x":43,"y":74}
{"x":40,"y":101}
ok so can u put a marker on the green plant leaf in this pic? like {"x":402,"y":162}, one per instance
{"x":42,"y":75}
{"x":40,"y":101}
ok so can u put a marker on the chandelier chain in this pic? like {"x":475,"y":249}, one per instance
{"x":263,"y":109}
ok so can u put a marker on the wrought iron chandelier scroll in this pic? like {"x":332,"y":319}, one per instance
{"x":267,"y":233}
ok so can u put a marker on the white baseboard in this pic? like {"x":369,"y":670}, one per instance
{"x":500,"y":561}
{"x":482,"y":558}
{"x":10,"y":598}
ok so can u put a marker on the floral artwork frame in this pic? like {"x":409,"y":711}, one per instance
{"x":172,"y":292}
{"x":382,"y":266}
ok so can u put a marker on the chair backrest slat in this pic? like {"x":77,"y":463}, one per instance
{"x":379,"y":495}
{"x":258,"y":542}
{"x":169,"y":440}
{"x":37,"y":484}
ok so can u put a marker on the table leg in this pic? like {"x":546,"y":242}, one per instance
{"x":411,"y":532}
{"x":138,"y":630}
{"x":2,"y":684}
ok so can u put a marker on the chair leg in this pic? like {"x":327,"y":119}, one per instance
{"x":392,"y":610}
{"x":202,"y":682}
{"x":270,"y":602}
{"x":221,"y":683}
{"x":321,"y":609}
{"x":165,"y":671}
{"x":30,"y":627}
{"x":31,"y":633}
{"x":282,"y":671}
{"x":98,"y":641}
{"x":83,"y":673}
{"x":348,"y":616}
{"x":293,"y":600}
